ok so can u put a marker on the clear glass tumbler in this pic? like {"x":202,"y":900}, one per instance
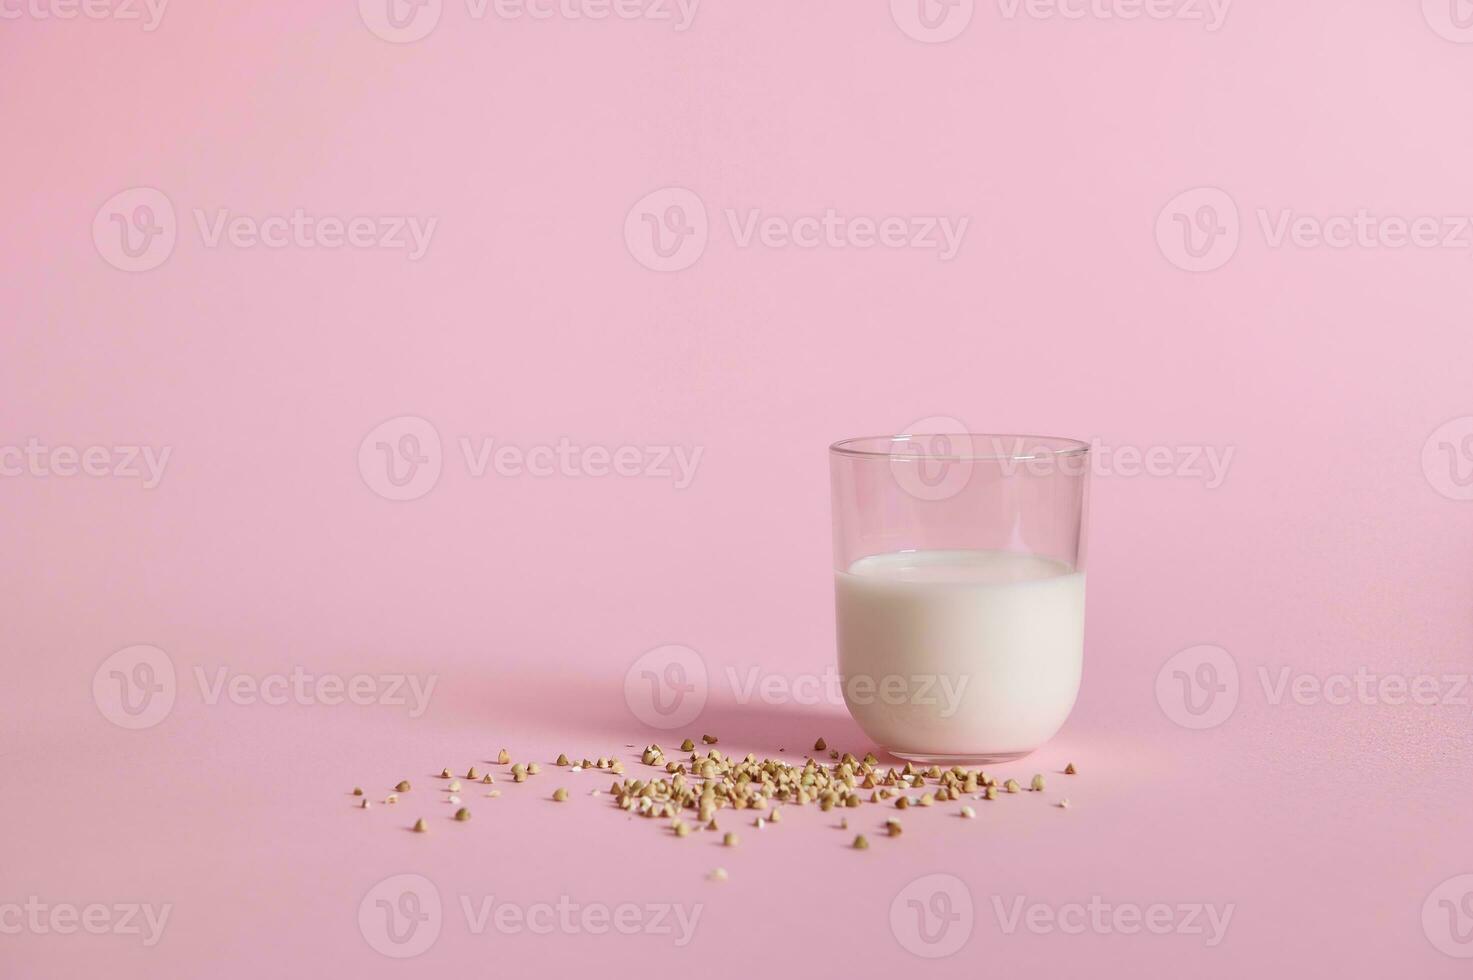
{"x":959,"y":590}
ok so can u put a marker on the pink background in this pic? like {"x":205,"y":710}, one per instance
{"x":1329,"y":547}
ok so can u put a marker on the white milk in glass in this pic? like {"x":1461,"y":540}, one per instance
{"x":960,"y":653}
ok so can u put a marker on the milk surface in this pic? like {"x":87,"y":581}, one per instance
{"x":962,"y":654}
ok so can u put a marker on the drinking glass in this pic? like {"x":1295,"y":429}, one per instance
{"x":959,"y":565}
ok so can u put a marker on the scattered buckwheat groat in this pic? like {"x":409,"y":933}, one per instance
{"x":685,"y":793}
{"x":503,"y":757}
{"x":357,"y":790}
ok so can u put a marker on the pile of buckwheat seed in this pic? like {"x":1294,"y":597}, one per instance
{"x":696,"y":787}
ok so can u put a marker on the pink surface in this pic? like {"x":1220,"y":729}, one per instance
{"x":1078,"y":149}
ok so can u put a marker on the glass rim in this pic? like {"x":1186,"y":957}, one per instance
{"x":1028,"y":447}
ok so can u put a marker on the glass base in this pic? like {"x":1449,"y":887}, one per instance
{"x":978,"y":759}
